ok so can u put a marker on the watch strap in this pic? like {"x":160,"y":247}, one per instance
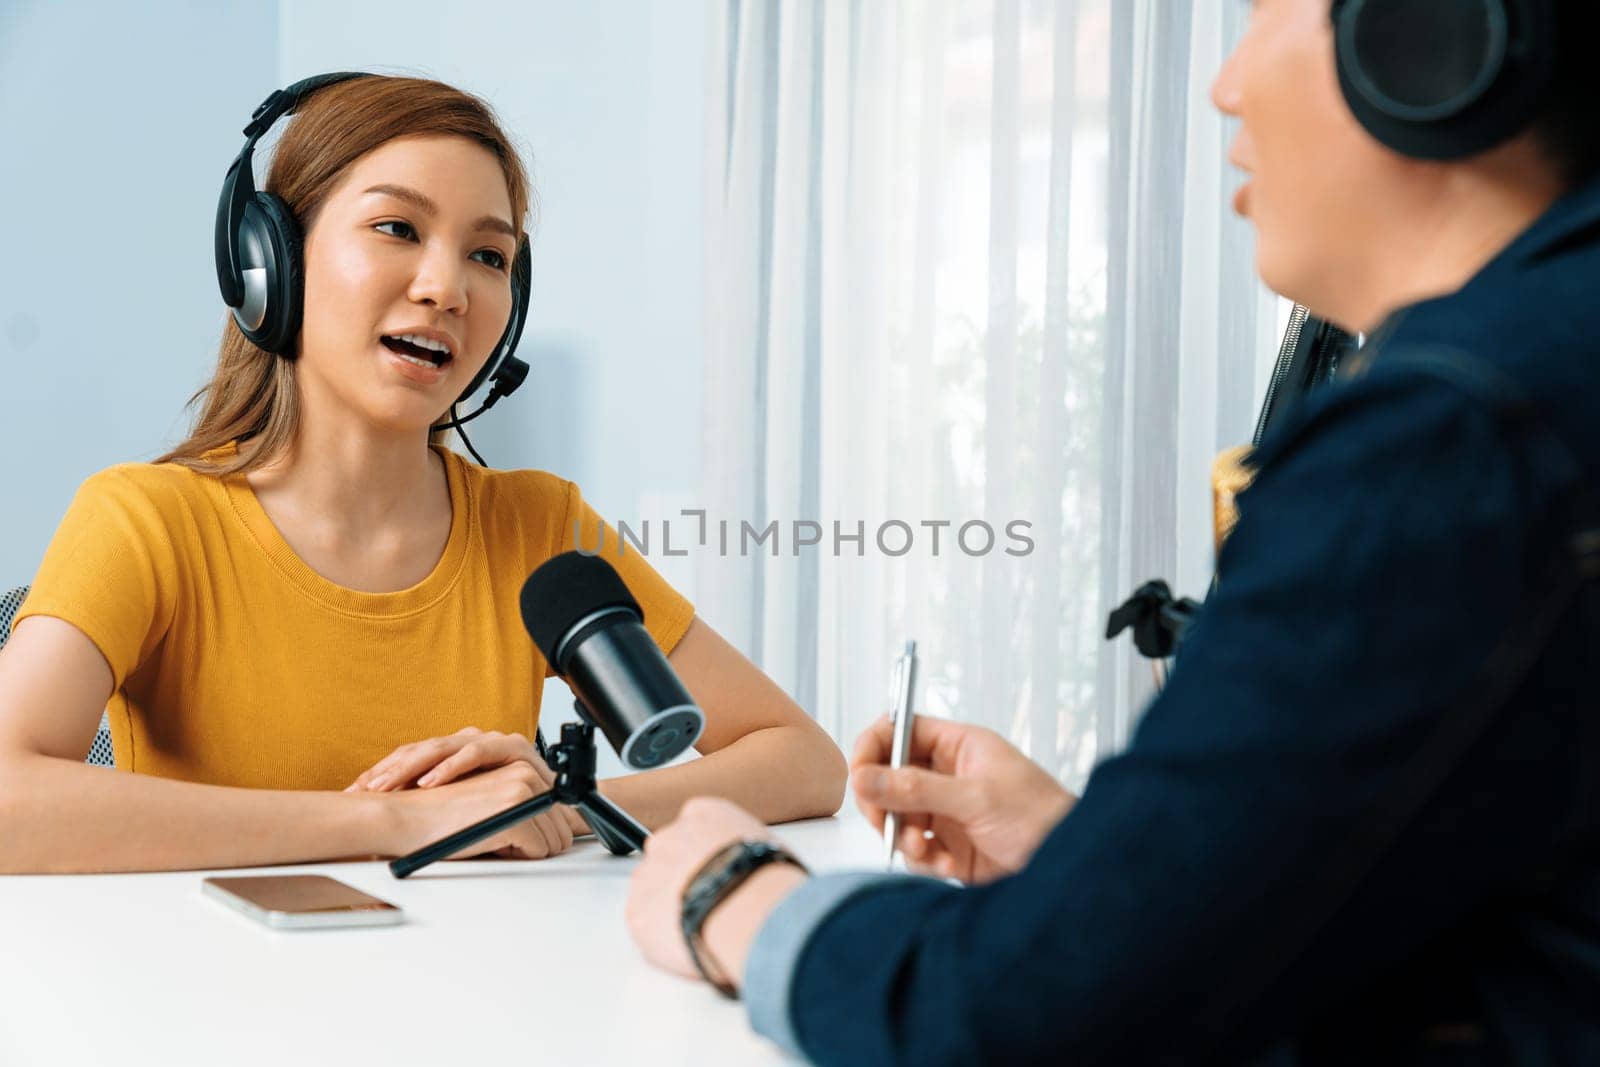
{"x":727,"y":869}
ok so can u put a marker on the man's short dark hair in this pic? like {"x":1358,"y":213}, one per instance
{"x":1568,"y":127}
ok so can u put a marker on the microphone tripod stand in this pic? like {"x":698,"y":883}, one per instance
{"x":572,"y":760}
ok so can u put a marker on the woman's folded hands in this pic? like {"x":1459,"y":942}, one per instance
{"x":443,"y":784}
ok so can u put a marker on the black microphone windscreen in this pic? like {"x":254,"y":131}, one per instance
{"x":564,"y":591}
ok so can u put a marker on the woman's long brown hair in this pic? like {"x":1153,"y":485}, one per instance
{"x":251,"y":394}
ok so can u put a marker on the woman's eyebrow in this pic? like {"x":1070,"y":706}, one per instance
{"x":424,"y":203}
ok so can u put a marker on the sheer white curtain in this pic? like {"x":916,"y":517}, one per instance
{"x":971,"y":265}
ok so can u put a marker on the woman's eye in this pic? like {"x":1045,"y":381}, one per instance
{"x":403,"y":229}
{"x":495,"y":260}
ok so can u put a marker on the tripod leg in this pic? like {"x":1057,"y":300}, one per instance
{"x":615,"y":828}
{"x":605,"y":835}
{"x":448,"y":846}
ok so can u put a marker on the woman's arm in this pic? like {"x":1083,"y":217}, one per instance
{"x":59,"y":815}
{"x":759,"y":749}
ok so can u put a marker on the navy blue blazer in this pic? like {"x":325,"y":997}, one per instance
{"x":1362,"y":822}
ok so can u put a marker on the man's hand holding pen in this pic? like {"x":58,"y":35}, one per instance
{"x":988,"y":807}
{"x":986,"y":804}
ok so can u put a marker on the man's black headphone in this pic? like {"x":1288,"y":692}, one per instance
{"x":1444,"y":79}
{"x":260,"y":265}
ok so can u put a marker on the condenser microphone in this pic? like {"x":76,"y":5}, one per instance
{"x":591,"y":630}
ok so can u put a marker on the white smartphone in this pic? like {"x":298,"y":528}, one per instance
{"x":301,"y":901}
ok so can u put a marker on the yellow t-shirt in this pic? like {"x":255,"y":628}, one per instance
{"x":235,"y":663}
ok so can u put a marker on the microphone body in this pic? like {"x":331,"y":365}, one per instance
{"x":591,"y":630}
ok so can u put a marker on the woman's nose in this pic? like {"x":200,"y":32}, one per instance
{"x":440,"y":282}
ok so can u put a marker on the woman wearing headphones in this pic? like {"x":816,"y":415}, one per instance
{"x":304,"y":616}
{"x":1361,"y":823}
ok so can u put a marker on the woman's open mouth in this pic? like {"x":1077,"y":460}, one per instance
{"x":418,"y":351}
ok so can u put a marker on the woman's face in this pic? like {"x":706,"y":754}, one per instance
{"x":1328,"y":201}
{"x":410,"y":253}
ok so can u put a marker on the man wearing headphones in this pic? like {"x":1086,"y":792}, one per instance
{"x":1361,"y":824}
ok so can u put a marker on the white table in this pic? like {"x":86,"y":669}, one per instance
{"x":499,"y":962}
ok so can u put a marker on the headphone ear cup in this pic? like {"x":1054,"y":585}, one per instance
{"x":521,"y":292}
{"x":271,"y":239}
{"x":1442,"y":79}
{"x":1422,"y":60}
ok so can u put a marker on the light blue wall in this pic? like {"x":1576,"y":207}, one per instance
{"x":116,"y":124}
{"x":115,"y":129}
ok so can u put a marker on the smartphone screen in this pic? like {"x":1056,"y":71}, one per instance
{"x":301,"y":901}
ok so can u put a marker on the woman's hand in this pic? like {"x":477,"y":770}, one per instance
{"x":467,"y":752}
{"x":988,"y":806}
{"x":673,"y":855}
{"x":444,"y":759}
{"x":422,"y":816}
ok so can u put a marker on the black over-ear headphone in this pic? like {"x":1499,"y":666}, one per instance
{"x":1444,"y":79}
{"x":259,"y":264}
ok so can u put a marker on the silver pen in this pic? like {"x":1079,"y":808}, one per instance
{"x":902,"y":717}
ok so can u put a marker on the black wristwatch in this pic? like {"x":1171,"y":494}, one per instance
{"x":724,"y":872}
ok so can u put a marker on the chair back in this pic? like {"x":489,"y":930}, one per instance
{"x":100,"y":750}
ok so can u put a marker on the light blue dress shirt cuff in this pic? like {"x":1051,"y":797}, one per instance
{"x":774,"y":955}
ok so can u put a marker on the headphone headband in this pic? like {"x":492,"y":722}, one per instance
{"x":239,"y":185}
{"x":282,"y":102}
